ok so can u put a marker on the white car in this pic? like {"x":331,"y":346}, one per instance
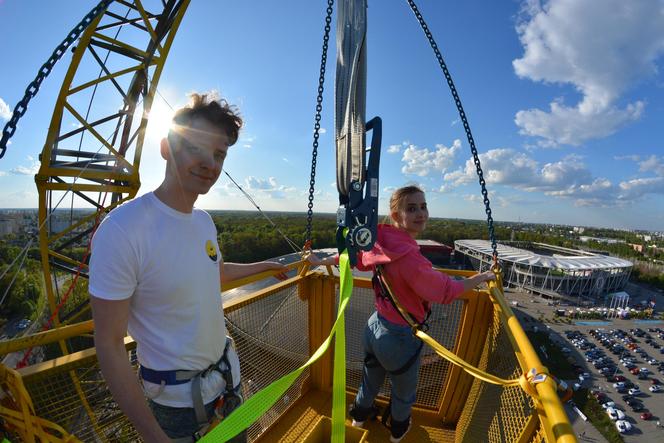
{"x":609,"y":404}
{"x":655,"y":388}
{"x":634,"y":391}
{"x":619,"y":385}
{"x":623,"y":426}
{"x":615,"y":414}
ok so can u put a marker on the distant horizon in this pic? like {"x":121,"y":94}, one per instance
{"x":381,"y":216}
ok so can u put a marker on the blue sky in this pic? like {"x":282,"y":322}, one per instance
{"x":565,"y":100}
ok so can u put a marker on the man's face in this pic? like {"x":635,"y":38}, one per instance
{"x":197,"y":156}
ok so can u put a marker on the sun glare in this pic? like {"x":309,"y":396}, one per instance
{"x":159,"y":121}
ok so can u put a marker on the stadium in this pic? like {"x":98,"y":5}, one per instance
{"x":552,"y":271}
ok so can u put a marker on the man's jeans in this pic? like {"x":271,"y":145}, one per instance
{"x":393,"y":346}
{"x":181,"y":422}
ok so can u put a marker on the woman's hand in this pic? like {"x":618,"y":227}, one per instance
{"x":314,"y":260}
{"x":478,"y":279}
{"x":486,"y":276}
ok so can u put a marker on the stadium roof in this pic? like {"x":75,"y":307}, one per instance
{"x":583,"y":261}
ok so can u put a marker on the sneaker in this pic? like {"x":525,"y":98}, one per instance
{"x":361,"y":415}
{"x":399,"y":429}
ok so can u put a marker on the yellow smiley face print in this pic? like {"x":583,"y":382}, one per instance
{"x":211,"y":250}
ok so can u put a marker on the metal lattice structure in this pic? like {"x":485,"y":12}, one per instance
{"x":92,"y":152}
{"x":550,"y":270}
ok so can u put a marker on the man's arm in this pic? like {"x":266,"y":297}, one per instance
{"x":234,"y":271}
{"x":110,"y":317}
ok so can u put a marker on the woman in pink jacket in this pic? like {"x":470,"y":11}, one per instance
{"x":389,"y":344}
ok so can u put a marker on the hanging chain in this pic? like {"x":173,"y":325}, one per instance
{"x":464,"y":120}
{"x":319,"y":109}
{"x":45,"y":70}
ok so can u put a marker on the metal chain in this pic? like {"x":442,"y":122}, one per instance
{"x":319,"y":109}
{"x":464,"y":120}
{"x":32,"y":89}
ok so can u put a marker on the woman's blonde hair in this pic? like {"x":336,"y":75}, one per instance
{"x":398,"y":200}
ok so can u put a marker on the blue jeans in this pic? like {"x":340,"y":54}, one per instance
{"x":393,"y":346}
{"x":181,"y":422}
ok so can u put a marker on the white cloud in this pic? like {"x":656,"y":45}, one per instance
{"x":394,"y":149}
{"x":653,"y":163}
{"x":322,"y":131}
{"x":247,"y":141}
{"x":494,"y":199}
{"x":5,"y":112}
{"x":602,"y":48}
{"x":566,"y":178}
{"x":32,"y":169}
{"x":268,"y":188}
{"x":637,"y":188}
{"x":500,"y":166}
{"x":422,"y":161}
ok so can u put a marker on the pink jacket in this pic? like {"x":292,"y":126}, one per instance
{"x":411,"y":276}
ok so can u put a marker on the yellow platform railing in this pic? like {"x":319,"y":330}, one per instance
{"x":276,"y":328}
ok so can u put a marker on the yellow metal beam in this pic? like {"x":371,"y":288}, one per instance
{"x":556,"y":424}
{"x":46,"y":337}
{"x":105,"y":78}
{"x":119,"y":158}
{"x":139,"y":53}
{"x":148,"y":25}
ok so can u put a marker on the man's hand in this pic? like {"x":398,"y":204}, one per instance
{"x":273,"y":265}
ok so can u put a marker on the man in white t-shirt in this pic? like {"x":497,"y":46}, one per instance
{"x":156,"y":272}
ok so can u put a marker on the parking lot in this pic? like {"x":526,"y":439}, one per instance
{"x":620,"y":361}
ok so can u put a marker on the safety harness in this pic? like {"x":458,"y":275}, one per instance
{"x":382,"y":290}
{"x":227,"y":402}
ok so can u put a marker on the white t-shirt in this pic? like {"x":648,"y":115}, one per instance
{"x":167,"y":262}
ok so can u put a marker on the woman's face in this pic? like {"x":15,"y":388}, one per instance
{"x":413,"y":215}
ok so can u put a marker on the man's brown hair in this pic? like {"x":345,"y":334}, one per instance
{"x":212,"y":109}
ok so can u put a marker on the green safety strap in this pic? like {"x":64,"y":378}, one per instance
{"x":259,"y":403}
{"x":339,"y":383}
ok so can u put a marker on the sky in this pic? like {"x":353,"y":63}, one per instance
{"x":565,"y":100}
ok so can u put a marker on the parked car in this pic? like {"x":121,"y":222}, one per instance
{"x":623,"y":426}
{"x":609,"y":404}
{"x":655,"y":388}
{"x":646,"y":416}
{"x":636,"y":391}
{"x":633,"y":402}
{"x":615,"y":414}
{"x":619,"y":378}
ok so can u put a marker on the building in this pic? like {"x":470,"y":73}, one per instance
{"x":437,"y":253}
{"x":548,"y":270}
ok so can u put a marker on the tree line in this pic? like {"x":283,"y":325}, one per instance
{"x":248,"y":236}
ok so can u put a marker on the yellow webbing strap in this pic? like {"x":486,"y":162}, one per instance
{"x":525,"y":381}
{"x":339,"y":382}
{"x":259,"y":403}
